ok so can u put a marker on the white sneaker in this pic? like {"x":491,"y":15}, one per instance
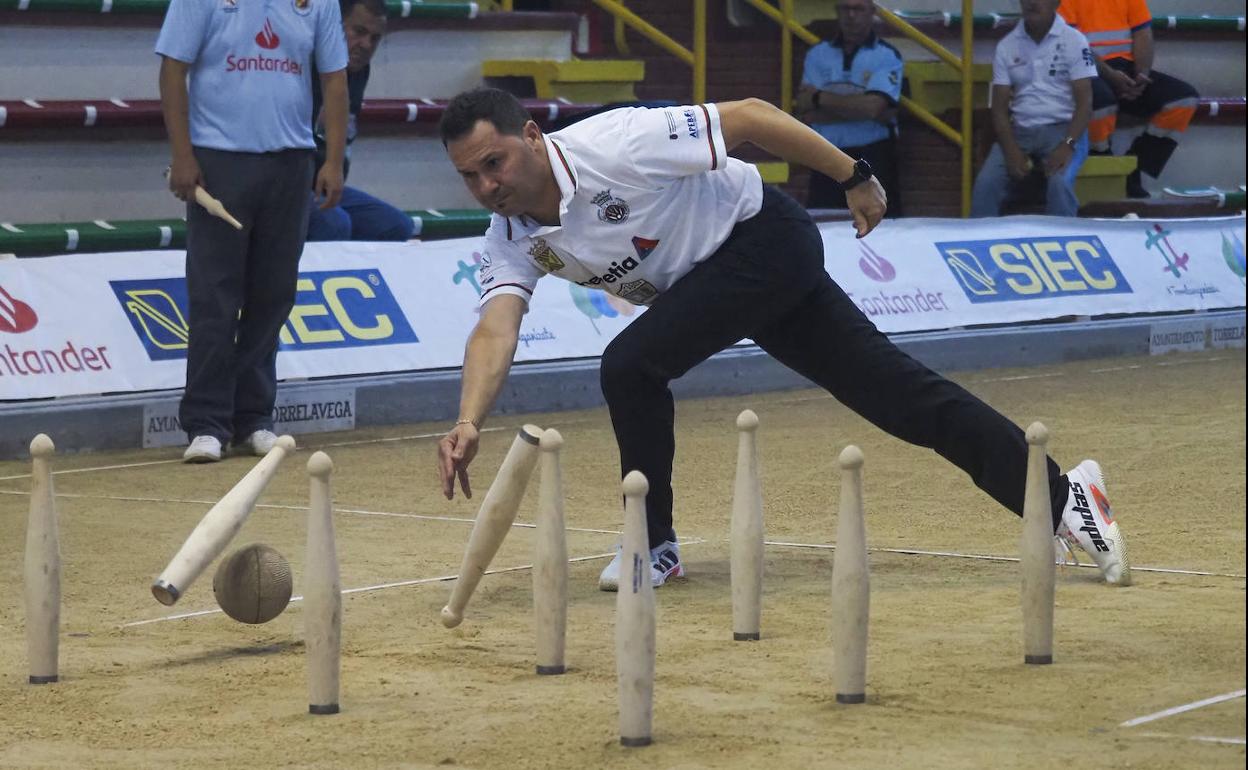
{"x":1088,"y":524}
{"x":664,"y":565}
{"x":203,"y":449}
{"x":258,"y":443}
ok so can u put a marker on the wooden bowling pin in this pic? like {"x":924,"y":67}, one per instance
{"x":747,"y":534}
{"x":322,"y":592}
{"x":42,"y":568}
{"x":634,"y":619}
{"x":550,"y":562}
{"x":219,"y":526}
{"x":851,"y":586}
{"x":1036,"y":552}
{"x":494,"y":520}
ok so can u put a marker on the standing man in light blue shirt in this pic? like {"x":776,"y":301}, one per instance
{"x":1041,"y":103}
{"x":849,"y":93}
{"x":242,"y":129}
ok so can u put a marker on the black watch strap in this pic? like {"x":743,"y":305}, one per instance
{"x":862,"y":172}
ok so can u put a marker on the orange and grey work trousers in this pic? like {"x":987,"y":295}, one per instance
{"x":1168,"y":103}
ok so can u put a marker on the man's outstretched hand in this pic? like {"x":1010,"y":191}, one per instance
{"x":456,"y":451}
{"x":867,"y":202}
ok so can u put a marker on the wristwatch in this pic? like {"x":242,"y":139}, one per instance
{"x":1069,"y":142}
{"x":862,"y":172}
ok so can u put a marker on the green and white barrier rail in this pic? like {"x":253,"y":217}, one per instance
{"x":29,"y":240}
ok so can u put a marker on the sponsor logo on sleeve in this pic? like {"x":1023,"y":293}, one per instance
{"x":691,"y":124}
{"x":1014,"y":269}
{"x":673,"y":129}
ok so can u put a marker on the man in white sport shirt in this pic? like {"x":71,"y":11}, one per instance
{"x":236,"y":93}
{"x":646,"y":204}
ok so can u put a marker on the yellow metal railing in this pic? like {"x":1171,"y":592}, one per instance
{"x":789,"y":27}
{"x":695,"y":58}
{"x":783,"y":15}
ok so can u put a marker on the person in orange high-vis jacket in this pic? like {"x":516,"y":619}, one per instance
{"x":1120,"y":32}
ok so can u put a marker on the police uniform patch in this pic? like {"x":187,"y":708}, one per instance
{"x":545,"y":256}
{"x":611,"y":210}
{"x":302,"y":7}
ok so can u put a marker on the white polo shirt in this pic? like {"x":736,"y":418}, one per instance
{"x":1041,"y":73}
{"x":645,"y":194}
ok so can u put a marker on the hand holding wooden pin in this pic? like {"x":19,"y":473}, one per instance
{"x":212,"y":205}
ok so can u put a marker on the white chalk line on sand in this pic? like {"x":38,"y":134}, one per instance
{"x":1184,"y":708}
{"x":395,"y":584}
{"x":363,"y":589}
{"x":283,"y":507}
{"x":1200,"y":738}
{"x":1043,"y":375}
{"x":988,"y":557}
{"x":171,"y":461}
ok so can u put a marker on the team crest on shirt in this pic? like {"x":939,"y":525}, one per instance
{"x":302,"y":7}
{"x":545,"y":256}
{"x":638,"y":292}
{"x":611,"y":210}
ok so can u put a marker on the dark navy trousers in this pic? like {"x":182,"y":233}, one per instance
{"x":241,"y":285}
{"x":767,"y":282}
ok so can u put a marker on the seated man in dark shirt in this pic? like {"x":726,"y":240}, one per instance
{"x":358,"y":216}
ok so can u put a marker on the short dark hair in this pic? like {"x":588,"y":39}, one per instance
{"x":375,"y":7}
{"x":500,"y":108}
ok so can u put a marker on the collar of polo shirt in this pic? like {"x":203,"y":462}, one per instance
{"x":1054,"y":29}
{"x":564,"y":169}
{"x":838,"y":40}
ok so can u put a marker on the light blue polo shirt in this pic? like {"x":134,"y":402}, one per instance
{"x":250,"y":84}
{"x":876,"y":67}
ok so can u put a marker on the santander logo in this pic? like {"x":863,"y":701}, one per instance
{"x":267,"y":38}
{"x":874,"y":266}
{"x":15,"y":316}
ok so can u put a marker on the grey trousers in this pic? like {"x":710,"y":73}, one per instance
{"x":241,"y":285}
{"x":993,"y":184}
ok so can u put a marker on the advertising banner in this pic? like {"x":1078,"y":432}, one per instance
{"x":104,"y":323}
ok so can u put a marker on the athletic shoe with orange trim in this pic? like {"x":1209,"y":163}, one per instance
{"x":1088,"y":523}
